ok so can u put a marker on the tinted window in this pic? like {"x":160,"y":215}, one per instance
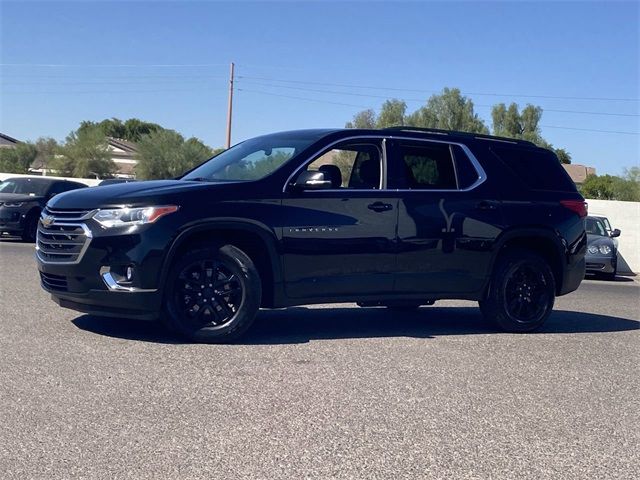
{"x":538,"y":168}
{"x":467,"y":174}
{"x":355,"y":166}
{"x":594,"y":226}
{"x":255,"y":158}
{"x":428,"y":166}
{"x":30,"y":186}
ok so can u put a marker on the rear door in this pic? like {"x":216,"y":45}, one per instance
{"x":448,"y":222}
{"x":340,"y":241}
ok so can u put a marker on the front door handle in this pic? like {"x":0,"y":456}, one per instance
{"x":487,"y":205}
{"x":380,"y":207}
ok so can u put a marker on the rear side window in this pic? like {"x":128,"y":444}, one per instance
{"x":538,"y":168}
{"x":428,"y":167}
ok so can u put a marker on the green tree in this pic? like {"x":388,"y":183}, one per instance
{"x":510,"y":122}
{"x":563,"y":156}
{"x":166,"y":154}
{"x":449,"y":110}
{"x":84,"y":154}
{"x":611,"y":187}
{"x":132,"y":129}
{"x":392,"y":113}
{"x":17,"y":159}
{"x":47,"y":148}
{"x":365,"y":119}
{"x":632,"y":174}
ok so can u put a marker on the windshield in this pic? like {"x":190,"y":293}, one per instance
{"x":595,"y":227}
{"x":29,"y":186}
{"x":253,"y":159}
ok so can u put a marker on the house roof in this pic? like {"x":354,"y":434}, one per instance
{"x":7,"y":139}
{"x":124,"y":145}
{"x":579,"y":173}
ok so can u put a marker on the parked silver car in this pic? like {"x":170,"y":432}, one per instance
{"x":602,"y":248}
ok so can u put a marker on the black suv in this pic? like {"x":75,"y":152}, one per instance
{"x":397,"y":217}
{"x":23,"y":198}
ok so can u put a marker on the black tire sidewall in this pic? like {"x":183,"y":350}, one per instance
{"x":494,"y":306}
{"x":238,"y":263}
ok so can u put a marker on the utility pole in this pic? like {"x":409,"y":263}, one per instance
{"x":230,"y":109}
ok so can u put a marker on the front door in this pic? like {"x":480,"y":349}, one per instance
{"x":340,"y":241}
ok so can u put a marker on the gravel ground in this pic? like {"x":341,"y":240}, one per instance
{"x":319,"y":392}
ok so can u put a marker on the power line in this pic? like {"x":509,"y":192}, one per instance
{"x":590,"y":130}
{"x":301,"y":98}
{"x":362,"y":106}
{"x":118,"y":65}
{"x":557,"y":97}
{"x":582,"y":112}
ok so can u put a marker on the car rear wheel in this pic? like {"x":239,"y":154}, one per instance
{"x":522,"y":292}
{"x":213,"y":295}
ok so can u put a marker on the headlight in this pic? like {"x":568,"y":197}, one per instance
{"x":604,"y":249}
{"x":124,"y":217}
{"x":13,"y":204}
{"x":593,"y":249}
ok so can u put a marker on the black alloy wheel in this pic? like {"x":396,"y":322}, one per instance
{"x":522,"y":292}
{"x":526,"y":294}
{"x":213,"y":294}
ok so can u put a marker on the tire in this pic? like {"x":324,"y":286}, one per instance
{"x":30,"y":227}
{"x":522,"y":292}
{"x":195,"y":304}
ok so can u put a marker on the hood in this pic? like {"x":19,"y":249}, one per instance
{"x":599,"y":240}
{"x":130,"y":194}
{"x":19,"y":197}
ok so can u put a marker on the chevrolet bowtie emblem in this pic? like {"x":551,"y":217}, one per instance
{"x":47,"y":220}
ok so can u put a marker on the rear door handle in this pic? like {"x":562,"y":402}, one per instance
{"x":487,"y":205}
{"x":380,"y":207}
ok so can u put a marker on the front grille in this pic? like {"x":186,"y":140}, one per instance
{"x":68,"y":215}
{"x":60,"y":240}
{"x":54,"y":282}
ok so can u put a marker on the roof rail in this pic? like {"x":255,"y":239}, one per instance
{"x":479,"y":136}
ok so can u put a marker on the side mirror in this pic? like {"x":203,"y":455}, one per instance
{"x":312,"y":180}
{"x":616,"y":233}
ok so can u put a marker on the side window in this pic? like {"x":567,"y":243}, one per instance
{"x":351,"y":166}
{"x":56,"y":188}
{"x":428,"y":166}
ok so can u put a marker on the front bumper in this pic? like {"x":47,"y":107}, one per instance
{"x":11,"y":221}
{"x":82,"y":284}
{"x":601,"y":263}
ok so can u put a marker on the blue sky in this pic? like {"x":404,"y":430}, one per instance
{"x":577,"y":56}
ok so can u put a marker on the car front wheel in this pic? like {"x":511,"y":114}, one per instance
{"x":522,"y":292}
{"x":213,"y":295}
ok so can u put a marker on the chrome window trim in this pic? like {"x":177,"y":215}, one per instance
{"x":482,"y":176}
{"x":327,"y":148}
{"x":87,"y":233}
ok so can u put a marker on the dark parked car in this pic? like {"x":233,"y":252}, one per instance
{"x":23,"y":198}
{"x":602,"y":248}
{"x":397,"y":217}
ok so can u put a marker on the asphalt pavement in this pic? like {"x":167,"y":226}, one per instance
{"x":318,"y":392}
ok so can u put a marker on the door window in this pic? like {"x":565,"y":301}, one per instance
{"x":428,"y":166}
{"x":351,"y":166}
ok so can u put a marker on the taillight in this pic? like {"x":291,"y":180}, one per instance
{"x":577,"y":206}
